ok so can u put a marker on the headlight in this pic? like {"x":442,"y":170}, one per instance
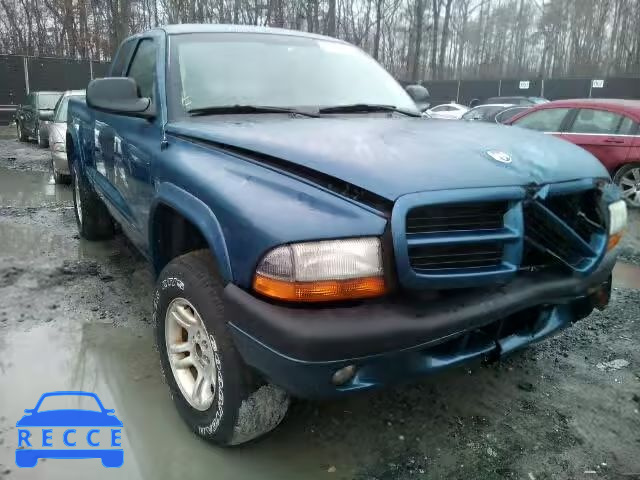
{"x":617,"y":217}
{"x":59,"y":147}
{"x":322,"y":271}
{"x":617,"y":222}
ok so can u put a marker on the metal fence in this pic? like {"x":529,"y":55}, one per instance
{"x":20,"y":75}
{"x":467,"y":91}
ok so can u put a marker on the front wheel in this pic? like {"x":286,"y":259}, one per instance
{"x":628,"y":179}
{"x":216,"y":394}
{"x":93,"y":218}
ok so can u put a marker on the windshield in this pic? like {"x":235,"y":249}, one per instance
{"x":276,"y":70}
{"x":509,"y":113}
{"x":61,"y":109}
{"x":47,"y":101}
{"x":482,"y":113}
{"x":538,"y":100}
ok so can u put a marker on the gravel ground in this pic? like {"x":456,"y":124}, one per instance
{"x":75,"y":315}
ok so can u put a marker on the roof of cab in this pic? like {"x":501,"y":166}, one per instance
{"x":223,"y":28}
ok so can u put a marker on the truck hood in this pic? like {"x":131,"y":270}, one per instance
{"x":395,"y":156}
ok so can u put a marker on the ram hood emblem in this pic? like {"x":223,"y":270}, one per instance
{"x":499,"y":156}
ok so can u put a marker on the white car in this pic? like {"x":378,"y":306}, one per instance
{"x":57,"y":137}
{"x":449,"y":111}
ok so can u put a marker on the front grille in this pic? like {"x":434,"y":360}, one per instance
{"x":456,"y":218}
{"x":561,"y":231}
{"x":462,"y":256}
{"x":468,"y":243}
{"x":579,"y":211}
{"x":547,"y":237}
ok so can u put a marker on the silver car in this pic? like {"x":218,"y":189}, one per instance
{"x":57,"y":137}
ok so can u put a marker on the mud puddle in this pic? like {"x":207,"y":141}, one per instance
{"x":121,"y":366}
{"x":626,"y":275}
{"x":30,"y":189}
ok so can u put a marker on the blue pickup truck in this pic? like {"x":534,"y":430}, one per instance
{"x":312,"y":235}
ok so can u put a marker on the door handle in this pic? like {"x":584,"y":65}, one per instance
{"x":613,"y":140}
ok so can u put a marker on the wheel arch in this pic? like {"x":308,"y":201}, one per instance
{"x":634,"y":162}
{"x":70,"y":146}
{"x":173,"y":204}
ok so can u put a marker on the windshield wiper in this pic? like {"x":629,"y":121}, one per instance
{"x":365,"y":108}
{"x":241,"y":109}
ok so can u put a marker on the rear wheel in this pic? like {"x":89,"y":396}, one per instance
{"x":216,"y":394}
{"x":43,"y":142}
{"x":22,"y":135}
{"x":57,"y":176}
{"x":93,"y":218}
{"x":628,"y":179}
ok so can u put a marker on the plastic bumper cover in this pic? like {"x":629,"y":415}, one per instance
{"x":300,"y":348}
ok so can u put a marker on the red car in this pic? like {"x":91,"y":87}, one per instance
{"x":606,"y":128}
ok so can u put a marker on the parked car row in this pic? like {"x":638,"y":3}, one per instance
{"x":44,"y":117}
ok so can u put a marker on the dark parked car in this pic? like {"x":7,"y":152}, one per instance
{"x":494,"y":113}
{"x":607,"y":128}
{"x":516,"y":100}
{"x":33,"y":116}
{"x":312,"y":235}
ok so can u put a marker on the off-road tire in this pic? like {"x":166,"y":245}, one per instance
{"x":22,"y":135}
{"x":94,"y":221}
{"x":244,"y":407}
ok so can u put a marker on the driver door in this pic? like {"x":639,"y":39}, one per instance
{"x":136,"y":139}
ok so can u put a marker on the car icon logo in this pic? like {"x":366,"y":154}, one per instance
{"x":499,"y":156}
{"x":69,"y":433}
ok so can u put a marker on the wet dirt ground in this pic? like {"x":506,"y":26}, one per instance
{"x":76,"y":315}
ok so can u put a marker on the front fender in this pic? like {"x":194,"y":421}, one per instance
{"x":200,"y":215}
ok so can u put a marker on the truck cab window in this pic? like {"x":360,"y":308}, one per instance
{"x":143,"y":67}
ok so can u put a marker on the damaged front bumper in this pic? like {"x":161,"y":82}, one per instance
{"x":380,"y":343}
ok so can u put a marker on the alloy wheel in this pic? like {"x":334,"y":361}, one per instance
{"x":192,"y":354}
{"x":630,"y":185}
{"x":76,"y":194}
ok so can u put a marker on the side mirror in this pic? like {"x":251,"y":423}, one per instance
{"x":118,"y":95}
{"x":46,"y":115}
{"x":28,"y":410}
{"x":420,"y":95}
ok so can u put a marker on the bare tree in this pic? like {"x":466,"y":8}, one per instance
{"x":414,"y":39}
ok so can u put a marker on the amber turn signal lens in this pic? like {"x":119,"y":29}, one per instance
{"x":613,"y":241}
{"x":320,"y":291}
